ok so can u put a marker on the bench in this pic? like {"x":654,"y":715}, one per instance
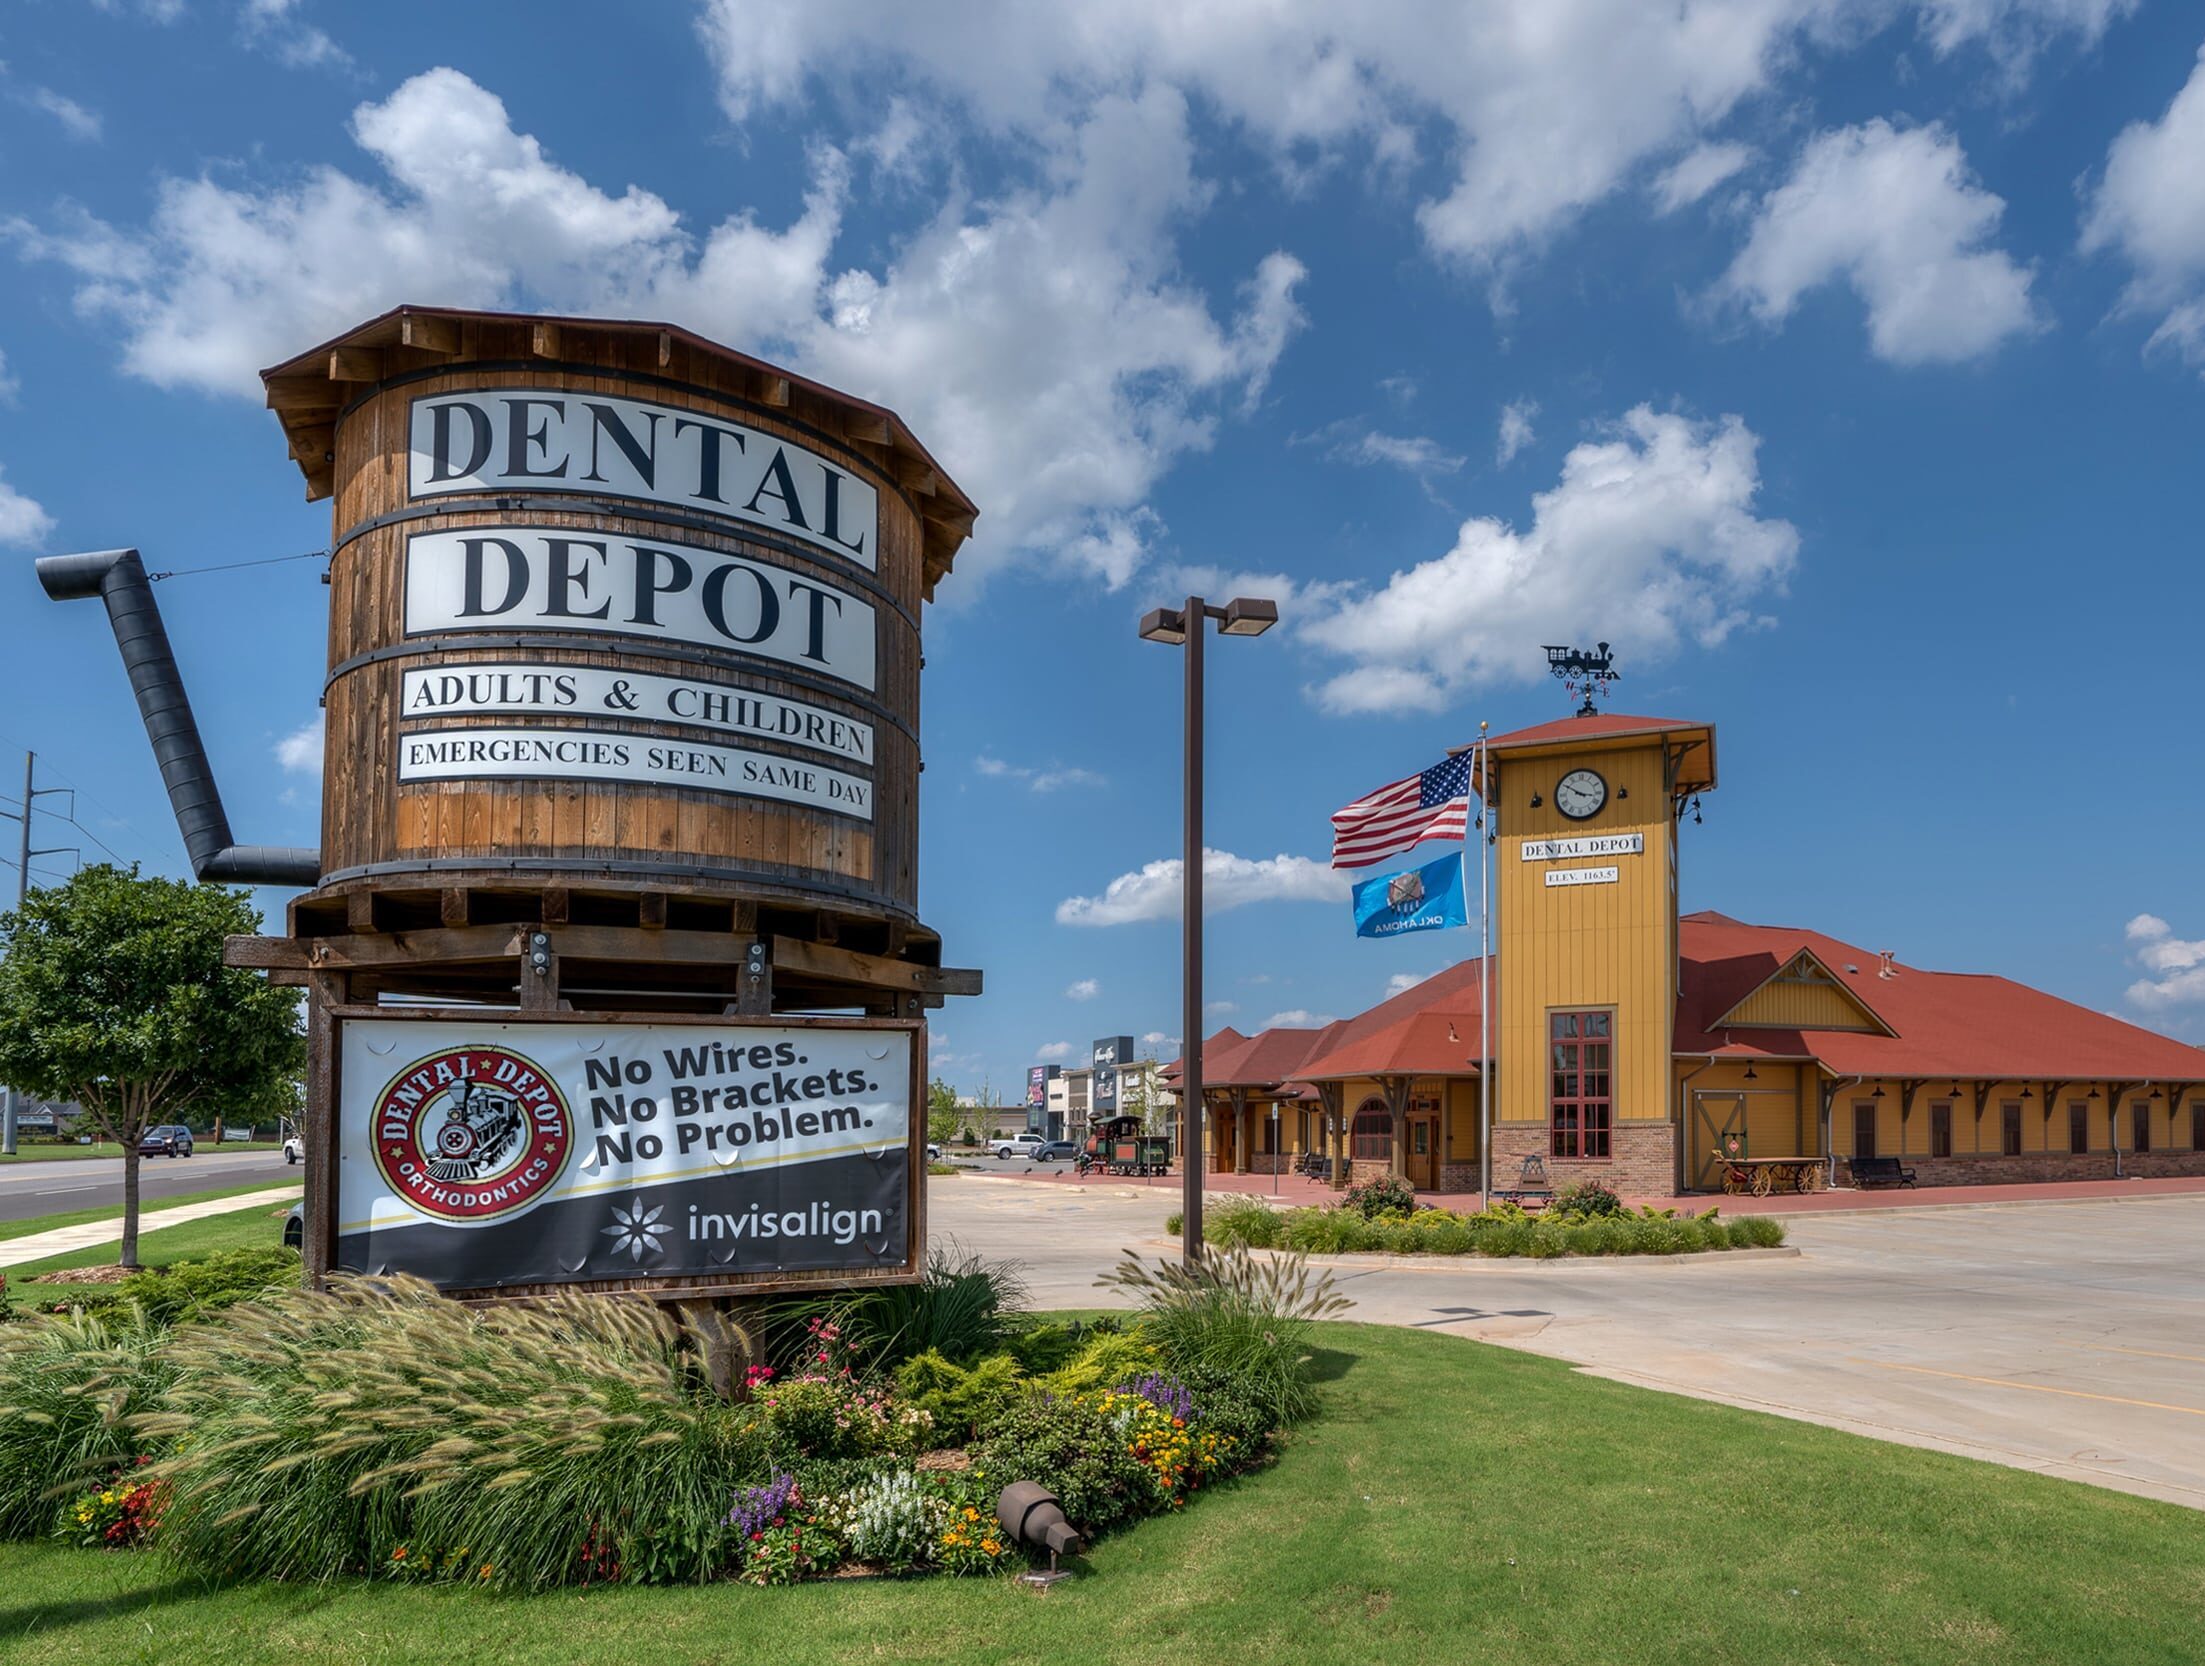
{"x":1880,"y":1171}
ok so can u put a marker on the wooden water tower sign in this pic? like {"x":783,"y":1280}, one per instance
{"x":623,"y":739}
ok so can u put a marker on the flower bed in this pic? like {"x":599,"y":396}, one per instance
{"x":380,"y":1429}
{"x":1587,"y":1221}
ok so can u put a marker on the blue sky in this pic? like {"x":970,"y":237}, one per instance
{"x":1838,"y":360}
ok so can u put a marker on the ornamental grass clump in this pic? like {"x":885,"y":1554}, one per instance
{"x":71,"y":1387}
{"x":1243,"y":1316}
{"x":1243,"y":1223}
{"x":380,"y":1424}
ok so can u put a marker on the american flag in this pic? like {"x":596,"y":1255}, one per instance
{"x":1432,"y":804}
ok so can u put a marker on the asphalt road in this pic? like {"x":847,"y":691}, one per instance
{"x":2060,"y":1337}
{"x":52,"y":1188}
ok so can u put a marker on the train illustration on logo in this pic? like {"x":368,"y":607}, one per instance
{"x":481,"y":1130}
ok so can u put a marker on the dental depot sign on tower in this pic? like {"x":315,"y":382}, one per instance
{"x":480,"y":1154}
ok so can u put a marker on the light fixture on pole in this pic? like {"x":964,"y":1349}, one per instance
{"x":1184,"y":627}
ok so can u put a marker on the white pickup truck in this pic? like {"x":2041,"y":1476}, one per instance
{"x":1017,"y":1145}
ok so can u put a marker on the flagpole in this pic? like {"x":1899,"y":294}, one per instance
{"x":1485,"y":979}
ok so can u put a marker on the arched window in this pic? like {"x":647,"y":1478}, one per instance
{"x":1373,"y":1133}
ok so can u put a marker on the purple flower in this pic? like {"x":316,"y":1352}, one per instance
{"x":1167,"y":1394}
{"x":757,"y":1508}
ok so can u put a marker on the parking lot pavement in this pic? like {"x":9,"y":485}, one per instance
{"x":2062,"y":1337}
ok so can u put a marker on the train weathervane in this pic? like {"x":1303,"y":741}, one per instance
{"x":1586,"y":671}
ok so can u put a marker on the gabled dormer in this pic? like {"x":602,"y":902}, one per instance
{"x":1802,"y":994}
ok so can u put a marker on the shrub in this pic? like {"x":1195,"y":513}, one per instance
{"x":837,"y":1417}
{"x":1441,"y":1233}
{"x":1073,"y":1449}
{"x":378,"y":1425}
{"x":1105,"y":1360}
{"x":1327,"y":1231}
{"x":69,"y":1389}
{"x":1238,"y":1314}
{"x":1386,"y":1194}
{"x":1175,"y":1224}
{"x":1244,"y":1223}
{"x":188,"y":1290}
{"x":1584,"y":1200}
{"x":1760,"y":1232}
{"x":1225,"y":1405}
{"x":961,"y":1400}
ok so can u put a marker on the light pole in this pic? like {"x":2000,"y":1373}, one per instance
{"x":1186,"y":627}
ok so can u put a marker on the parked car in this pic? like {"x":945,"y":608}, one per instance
{"x":294,"y":1227}
{"x":1017,"y":1145}
{"x":1058,"y":1151}
{"x":294,"y":1149}
{"x":933,"y":1152}
{"x":170,"y":1139}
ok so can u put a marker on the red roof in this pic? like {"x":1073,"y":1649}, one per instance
{"x":1428,"y":1030}
{"x":1951,"y":1024}
{"x":1600,"y":726}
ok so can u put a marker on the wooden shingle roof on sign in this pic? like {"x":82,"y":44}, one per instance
{"x":308,"y":392}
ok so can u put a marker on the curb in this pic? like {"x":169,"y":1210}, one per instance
{"x":1378,"y":1260}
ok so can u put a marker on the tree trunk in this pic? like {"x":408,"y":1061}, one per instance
{"x":130,"y":1204}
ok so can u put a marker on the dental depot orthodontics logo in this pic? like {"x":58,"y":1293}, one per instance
{"x":472,"y":1134}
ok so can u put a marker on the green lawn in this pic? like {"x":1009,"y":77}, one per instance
{"x":71,"y":1153}
{"x":113,"y":1211}
{"x":1457,"y":1502}
{"x":238,"y":1229}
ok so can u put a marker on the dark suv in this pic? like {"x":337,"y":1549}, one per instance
{"x":171,"y":1139}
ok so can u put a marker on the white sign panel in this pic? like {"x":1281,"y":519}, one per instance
{"x":540,"y":578}
{"x":476,"y":1152}
{"x":1583,"y":845}
{"x":569,"y":690}
{"x":591,"y":755}
{"x":1582,"y":876}
{"x":538,"y":440}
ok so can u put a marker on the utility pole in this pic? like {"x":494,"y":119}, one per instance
{"x":32,"y":792}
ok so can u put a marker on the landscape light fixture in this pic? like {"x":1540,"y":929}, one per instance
{"x":1032,"y":1516}
{"x":1184,"y":627}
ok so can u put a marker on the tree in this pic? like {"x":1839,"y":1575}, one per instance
{"x":113,"y":993}
{"x":941,"y":1112}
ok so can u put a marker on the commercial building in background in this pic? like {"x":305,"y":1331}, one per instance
{"x":1039,"y":1116}
{"x":1107,"y":1056}
{"x":1068,"y":1101}
{"x":1661,"y":1053}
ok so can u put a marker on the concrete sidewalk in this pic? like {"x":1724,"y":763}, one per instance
{"x":14,"y":1252}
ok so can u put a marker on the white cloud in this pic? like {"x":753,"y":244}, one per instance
{"x":1040,"y":780}
{"x":1350,"y":442}
{"x":1228,"y":881}
{"x":274,"y":26}
{"x":1086,"y":989}
{"x":300,"y":752}
{"x":1157,"y":1038}
{"x":1699,"y":171}
{"x":76,"y":121}
{"x":1042,"y":341}
{"x":2176,"y":965}
{"x":1895,"y":213}
{"x":1221,"y":1007}
{"x":1650,"y":538}
{"x":9,"y":385}
{"x":1516,"y":432}
{"x":1054,"y":1052}
{"x":2150,"y":209}
{"x":1536,"y":110}
{"x":1402,"y":982}
{"x":1297,"y":1018}
{"x":22,"y":520}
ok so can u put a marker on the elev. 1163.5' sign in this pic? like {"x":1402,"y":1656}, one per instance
{"x":539,"y":440}
{"x":478,"y":1154}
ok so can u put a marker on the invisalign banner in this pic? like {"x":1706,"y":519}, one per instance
{"x":480,"y":1153}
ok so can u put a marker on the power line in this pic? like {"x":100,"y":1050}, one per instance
{"x":233,"y":566}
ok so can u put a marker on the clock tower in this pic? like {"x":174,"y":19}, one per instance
{"x":1586,"y":812}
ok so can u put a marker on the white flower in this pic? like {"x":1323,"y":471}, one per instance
{"x":636,"y":1231}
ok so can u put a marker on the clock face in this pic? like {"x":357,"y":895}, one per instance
{"x":1580,"y":793}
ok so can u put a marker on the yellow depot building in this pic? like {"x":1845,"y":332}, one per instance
{"x":1665,"y":1053}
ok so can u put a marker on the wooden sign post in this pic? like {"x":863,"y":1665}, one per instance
{"x":623,"y":758}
